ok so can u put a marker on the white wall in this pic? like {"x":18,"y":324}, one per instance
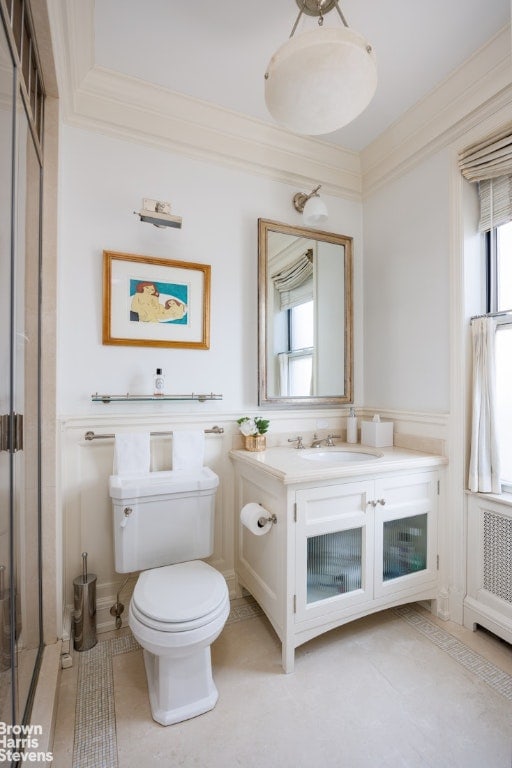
{"x":404,"y":351}
{"x":329,"y":307}
{"x":406,"y":291}
{"x":102,"y":181}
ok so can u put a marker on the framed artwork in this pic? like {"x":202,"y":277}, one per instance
{"x":151,"y":302}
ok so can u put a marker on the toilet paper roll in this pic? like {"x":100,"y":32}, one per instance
{"x":251,"y":515}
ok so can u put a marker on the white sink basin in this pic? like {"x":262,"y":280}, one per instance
{"x":338,"y":455}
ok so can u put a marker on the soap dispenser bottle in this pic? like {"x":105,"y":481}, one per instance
{"x":159,"y":382}
{"x":352,"y":427}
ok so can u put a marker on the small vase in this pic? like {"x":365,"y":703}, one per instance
{"x":255,"y":442}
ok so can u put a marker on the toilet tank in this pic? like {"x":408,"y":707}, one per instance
{"x":162,"y":518}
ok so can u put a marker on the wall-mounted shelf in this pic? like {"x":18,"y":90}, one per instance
{"x":97,"y":398}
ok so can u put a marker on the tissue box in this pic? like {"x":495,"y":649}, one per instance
{"x":377,"y":433}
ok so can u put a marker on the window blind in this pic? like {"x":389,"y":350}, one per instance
{"x":489,"y":163}
{"x":495,"y":202}
{"x":489,"y":158}
{"x":295,"y":281}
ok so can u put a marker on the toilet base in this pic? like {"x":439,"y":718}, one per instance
{"x":180,"y":688}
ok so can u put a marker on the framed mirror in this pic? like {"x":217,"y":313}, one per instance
{"x":304,"y":316}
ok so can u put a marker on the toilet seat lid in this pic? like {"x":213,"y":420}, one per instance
{"x":179,"y":594}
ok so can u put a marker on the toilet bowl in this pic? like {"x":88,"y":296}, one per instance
{"x":175,"y":614}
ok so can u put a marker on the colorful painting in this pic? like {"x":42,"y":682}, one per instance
{"x":155,"y":302}
{"x":158,"y":302}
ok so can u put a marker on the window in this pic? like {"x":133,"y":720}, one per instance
{"x":300,"y":348}
{"x":300,"y":324}
{"x":500,"y":300}
{"x":504,"y":267}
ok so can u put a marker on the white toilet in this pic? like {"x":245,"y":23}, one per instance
{"x":163,"y":521}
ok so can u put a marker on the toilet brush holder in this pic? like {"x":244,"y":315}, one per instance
{"x":84,"y":616}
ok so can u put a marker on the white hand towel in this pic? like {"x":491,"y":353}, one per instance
{"x":187,"y":449}
{"x":131,"y":453}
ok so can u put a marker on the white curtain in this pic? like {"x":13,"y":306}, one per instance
{"x":484,"y":469}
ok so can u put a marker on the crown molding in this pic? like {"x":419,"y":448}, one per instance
{"x":135,"y":109}
{"x":99,"y":99}
{"x":72,"y":30}
{"x":478,"y":88}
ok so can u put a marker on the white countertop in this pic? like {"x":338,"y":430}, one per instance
{"x":290,"y":464}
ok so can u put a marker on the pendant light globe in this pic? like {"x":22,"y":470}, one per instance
{"x":320,"y":80}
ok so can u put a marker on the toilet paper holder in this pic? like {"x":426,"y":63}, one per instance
{"x":262,"y":521}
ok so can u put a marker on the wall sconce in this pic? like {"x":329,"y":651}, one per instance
{"x":312,"y":207}
{"x":158,"y":213}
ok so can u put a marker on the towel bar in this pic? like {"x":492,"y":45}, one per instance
{"x":90,"y":435}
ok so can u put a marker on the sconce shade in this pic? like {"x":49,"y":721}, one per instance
{"x":320,"y":80}
{"x":158,"y":213}
{"x":315,"y":211}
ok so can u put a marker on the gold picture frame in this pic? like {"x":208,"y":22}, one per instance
{"x":152,"y":302}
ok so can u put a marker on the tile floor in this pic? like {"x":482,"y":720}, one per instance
{"x":398,"y":688}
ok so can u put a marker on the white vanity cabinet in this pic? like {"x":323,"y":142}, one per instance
{"x":341,"y":547}
{"x":358,"y":543}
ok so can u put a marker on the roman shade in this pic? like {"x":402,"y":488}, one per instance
{"x":489,"y":163}
{"x":295,"y":281}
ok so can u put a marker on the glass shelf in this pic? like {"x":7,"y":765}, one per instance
{"x":97,"y":398}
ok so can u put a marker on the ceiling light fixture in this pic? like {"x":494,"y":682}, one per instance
{"x":158,"y":213}
{"x":322,"y":79}
{"x":312,"y":207}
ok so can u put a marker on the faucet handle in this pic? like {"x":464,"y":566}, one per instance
{"x":329,"y":439}
{"x":297,"y":440}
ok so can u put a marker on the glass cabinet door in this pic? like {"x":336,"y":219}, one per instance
{"x":405,"y":532}
{"x":334,"y":531}
{"x":365,"y":541}
{"x":404,"y":546}
{"x":334,"y":564}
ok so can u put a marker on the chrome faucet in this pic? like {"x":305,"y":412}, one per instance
{"x":297,"y":440}
{"x":329,"y":440}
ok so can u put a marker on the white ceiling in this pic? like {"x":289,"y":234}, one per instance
{"x":217,"y":50}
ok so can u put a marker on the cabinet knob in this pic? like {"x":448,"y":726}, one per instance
{"x":372,"y":503}
{"x":381,"y":501}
